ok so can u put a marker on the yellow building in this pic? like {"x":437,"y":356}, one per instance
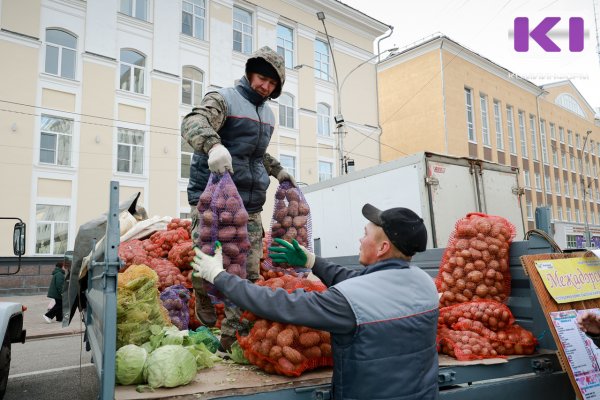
{"x":94,"y":91}
{"x":442,"y":97}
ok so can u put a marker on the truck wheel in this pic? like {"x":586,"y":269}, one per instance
{"x":4,"y":364}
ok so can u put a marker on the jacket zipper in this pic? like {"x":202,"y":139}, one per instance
{"x":251,"y":158}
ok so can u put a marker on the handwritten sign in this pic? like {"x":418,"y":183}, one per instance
{"x":571,"y":279}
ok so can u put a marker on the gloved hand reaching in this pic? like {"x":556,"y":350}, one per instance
{"x":283,"y":176}
{"x":207,"y":267}
{"x":219,"y":159}
{"x":292,"y":253}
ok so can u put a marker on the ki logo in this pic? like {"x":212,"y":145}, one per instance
{"x":540,"y":34}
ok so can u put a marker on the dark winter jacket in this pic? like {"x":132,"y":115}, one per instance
{"x":382,"y":319}
{"x":56,"y":284}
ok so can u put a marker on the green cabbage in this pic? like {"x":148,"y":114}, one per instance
{"x":129,"y":364}
{"x":170,"y":366}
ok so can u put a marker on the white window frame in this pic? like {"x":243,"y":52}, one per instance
{"x":294,"y":157}
{"x":554,"y":157}
{"x":60,"y":137}
{"x":547,"y":183}
{"x":543,"y":140}
{"x":133,"y":85}
{"x":522,"y":134}
{"x":538,"y":181}
{"x":571,"y":241}
{"x":131,"y":147}
{"x":575,"y":191}
{"x":327,"y":161}
{"x":577,"y":141}
{"x":572,"y":162}
{"x":185,"y":152}
{"x":471,"y":135}
{"x":570,"y":137}
{"x":557,"y":185}
{"x":322,"y":60}
{"x":569,"y":215}
{"x":526,"y":179}
{"x":511,"y":130}
{"x":324,"y":121}
{"x":577,"y":215}
{"x":134,"y":10}
{"x":197,"y":12}
{"x":567,"y":188}
{"x":529,"y":210}
{"x":61,"y":50}
{"x":244,"y":35}
{"x":285,"y":46}
{"x":533,"y":132}
{"x":485,"y":128}
{"x":561,"y":134}
{"x":52,"y":228}
{"x":498,"y":121}
{"x":552,"y":131}
{"x":285,"y":120}
{"x":560,"y":213}
{"x":563,"y":160}
{"x":193,"y":84}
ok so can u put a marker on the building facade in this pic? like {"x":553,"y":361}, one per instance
{"x":442,"y":97}
{"x":95,"y":91}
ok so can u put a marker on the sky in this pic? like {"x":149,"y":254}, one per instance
{"x":486,"y":27}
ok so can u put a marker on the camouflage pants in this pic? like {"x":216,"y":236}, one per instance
{"x":231,"y":323}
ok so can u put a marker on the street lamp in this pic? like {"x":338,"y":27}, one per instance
{"x":583,"y":186}
{"x":339,"y":118}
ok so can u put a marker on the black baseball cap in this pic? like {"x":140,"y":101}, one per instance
{"x":403,"y":227}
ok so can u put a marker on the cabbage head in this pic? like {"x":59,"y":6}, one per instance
{"x":170,"y":366}
{"x":129,"y":364}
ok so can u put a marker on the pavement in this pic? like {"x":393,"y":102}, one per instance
{"x":33,"y":320}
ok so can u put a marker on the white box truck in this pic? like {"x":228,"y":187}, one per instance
{"x":440,"y":188}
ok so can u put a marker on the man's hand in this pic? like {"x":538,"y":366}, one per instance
{"x":207,"y":267}
{"x":292,"y":253}
{"x":283,"y":176}
{"x":589,"y":322}
{"x":219,"y":159}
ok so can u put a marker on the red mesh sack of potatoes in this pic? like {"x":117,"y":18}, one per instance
{"x":514,"y":340}
{"x":286,"y":349}
{"x":475,"y":265}
{"x":182,"y":254}
{"x":180,"y":223}
{"x":465,"y":346}
{"x":132,"y":252}
{"x":490,"y":314}
{"x":165,"y":240}
{"x":168,"y":274}
{"x":291,"y":220}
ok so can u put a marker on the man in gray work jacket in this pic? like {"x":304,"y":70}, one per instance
{"x":382,"y":319}
{"x":230,"y":131}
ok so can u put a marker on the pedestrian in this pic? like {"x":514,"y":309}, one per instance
{"x":589,"y":323}
{"x":230,"y":131}
{"x":55,"y":292}
{"x":382,"y":318}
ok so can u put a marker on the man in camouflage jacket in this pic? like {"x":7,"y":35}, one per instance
{"x":230,"y":131}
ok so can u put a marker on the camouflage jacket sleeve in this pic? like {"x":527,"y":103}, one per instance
{"x":272,"y":165}
{"x":199,"y":128}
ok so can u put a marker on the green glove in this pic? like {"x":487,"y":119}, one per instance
{"x":291,"y":253}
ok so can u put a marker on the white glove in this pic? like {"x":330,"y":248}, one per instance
{"x":283,"y":175}
{"x":207,"y":267}
{"x":219,"y":159}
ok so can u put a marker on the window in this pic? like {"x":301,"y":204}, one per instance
{"x":185,"y":215}
{"x":538,"y":182}
{"x":569,"y":217}
{"x":56,"y":135}
{"x":498,"y":120}
{"x":526,"y":179}
{"x":554,"y":157}
{"x":597,"y":195}
{"x":288,"y":163}
{"x":193,"y":18}
{"x":130,"y":151}
{"x":552,"y":131}
{"x":523,"y":138}
{"x":557,"y":185}
{"x":575,"y":191}
{"x":570,"y":137}
{"x":325,"y":170}
{"x":529,"y":210}
{"x":285,"y":44}
{"x":547,"y":183}
{"x":560,"y":213}
{"x":61,"y":48}
{"x":534,"y":148}
{"x":563,"y":159}
{"x":567,"y":191}
{"x":572,"y":159}
{"x":511,"y":130}
{"x":191,"y":86}
{"x":135,"y":8}
{"x":132,"y":71}
{"x":242,"y":30}
{"x":570,"y":103}
{"x":323,"y":120}
{"x":543,"y":140}
{"x":485,"y":133}
{"x":286,"y":110}
{"x":52,"y":229}
{"x":187,"y":152}
{"x":577,"y":215}
{"x":469,"y":106}
{"x":577,"y":141}
{"x":561,"y":134}
{"x":321,"y":60}
{"x":571,"y":241}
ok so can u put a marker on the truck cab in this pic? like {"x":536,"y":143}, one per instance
{"x":11,"y":314}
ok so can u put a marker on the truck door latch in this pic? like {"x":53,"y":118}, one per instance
{"x":446,"y":377}
{"x":322,"y":394}
{"x":432,"y":181}
{"x":542,"y":366}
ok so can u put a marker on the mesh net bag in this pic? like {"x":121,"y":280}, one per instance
{"x":168,"y":274}
{"x":291,"y":220}
{"x":490,"y":314}
{"x":182,"y":254}
{"x":175,"y":300}
{"x":475,"y":265}
{"x":132,"y":252}
{"x":465,"y":345}
{"x":222,"y":217}
{"x":138,"y":305}
{"x":286,"y":349}
{"x":180,"y":223}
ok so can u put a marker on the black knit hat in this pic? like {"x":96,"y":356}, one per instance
{"x":261,"y":66}
{"x":403,"y":227}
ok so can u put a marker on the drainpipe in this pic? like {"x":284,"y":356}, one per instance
{"x":443,"y":96}
{"x":377,"y":86}
{"x":539,"y":128}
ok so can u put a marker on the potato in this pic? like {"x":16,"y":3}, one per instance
{"x":303,"y":208}
{"x":234,"y":269}
{"x":225,"y":218}
{"x":275,"y":352}
{"x":219,"y":203}
{"x":207,"y":218}
{"x":240,"y":218}
{"x":291,"y":233}
{"x":292,"y":195}
{"x":287,"y":221}
{"x":292,"y":208}
{"x":309,"y":339}
{"x":280,"y":194}
{"x":205,"y":234}
{"x":325,"y":336}
{"x":299,"y":221}
{"x":286,"y":336}
{"x":241,"y":233}
{"x":280,"y":214}
{"x":325,"y":349}
{"x":232,"y":204}
{"x":226,"y":234}
{"x":273,"y":331}
{"x":265,"y":347}
{"x":312,"y":352}
{"x":292,"y":354}
{"x":285,"y":364}
{"x":231,"y":249}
